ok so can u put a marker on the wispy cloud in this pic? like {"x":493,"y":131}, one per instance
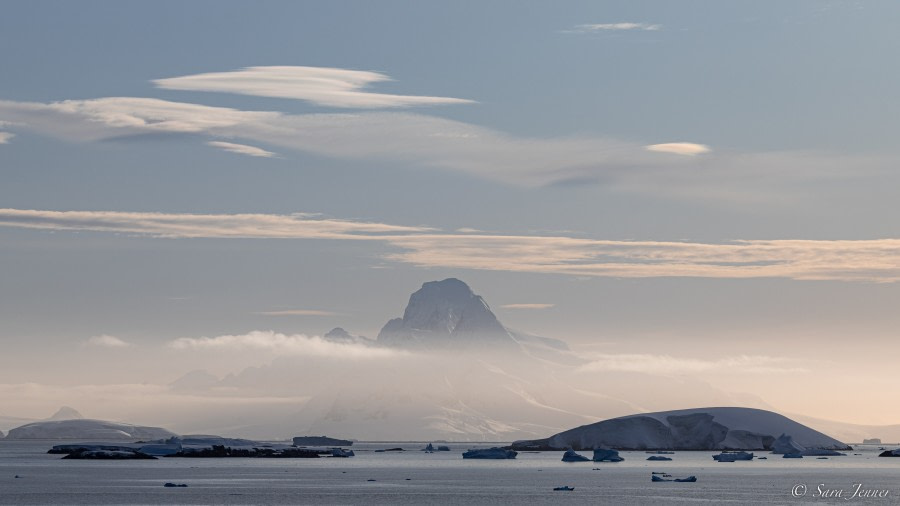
{"x":667,"y":364}
{"x":875,"y":260}
{"x":264,"y":226}
{"x":296,"y":344}
{"x":861,"y":260}
{"x":679,"y":148}
{"x":106,"y":341}
{"x":426,"y":141}
{"x":527,"y":306}
{"x":241,"y":149}
{"x":333,"y":87}
{"x":601,"y":27}
{"x":298,"y":312}
{"x":5,"y":137}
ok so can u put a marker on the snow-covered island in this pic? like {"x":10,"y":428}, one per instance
{"x":718,"y":428}
{"x":96,"y":430}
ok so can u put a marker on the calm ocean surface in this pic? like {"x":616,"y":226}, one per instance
{"x":414,"y":477}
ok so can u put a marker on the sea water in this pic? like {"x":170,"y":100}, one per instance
{"x":416,"y":477}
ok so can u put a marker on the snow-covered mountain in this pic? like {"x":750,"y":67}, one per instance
{"x":448,"y":315}
{"x":341,"y":336}
{"x":65,"y":413}
{"x":717,"y":428}
{"x":445,"y":314}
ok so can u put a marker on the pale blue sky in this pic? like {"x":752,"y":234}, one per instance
{"x":797,"y":103}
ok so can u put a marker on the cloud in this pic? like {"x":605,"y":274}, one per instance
{"x":241,"y":149}
{"x":679,"y":148}
{"x":424,"y":142}
{"x":876,"y":260}
{"x":264,"y":226}
{"x":298,"y":312}
{"x":667,"y":364}
{"x":873,"y":260}
{"x":597,"y":27}
{"x":527,"y":306}
{"x":296,"y":344}
{"x":333,"y":87}
{"x":106,"y":341}
{"x":5,"y":137}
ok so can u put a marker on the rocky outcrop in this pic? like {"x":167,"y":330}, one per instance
{"x":321,"y":441}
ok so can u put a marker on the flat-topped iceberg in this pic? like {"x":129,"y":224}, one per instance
{"x":490,"y":453}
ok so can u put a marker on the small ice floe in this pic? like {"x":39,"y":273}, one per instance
{"x":792,"y":456}
{"x":169,"y":484}
{"x":571,"y":456}
{"x":340,"y":452}
{"x":564,"y":488}
{"x":605,"y":455}
{"x":732,"y":456}
{"x":666,"y":477}
{"x":658,"y":457}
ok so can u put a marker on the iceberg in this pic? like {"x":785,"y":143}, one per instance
{"x":429,"y":448}
{"x":490,"y":453}
{"x":890,"y":453}
{"x":571,"y":456}
{"x":338,"y":452}
{"x":604,"y":455}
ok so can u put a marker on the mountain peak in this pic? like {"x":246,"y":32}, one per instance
{"x":65,"y":413}
{"x":444,"y":313}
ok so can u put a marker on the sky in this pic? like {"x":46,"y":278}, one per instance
{"x":670,"y":187}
